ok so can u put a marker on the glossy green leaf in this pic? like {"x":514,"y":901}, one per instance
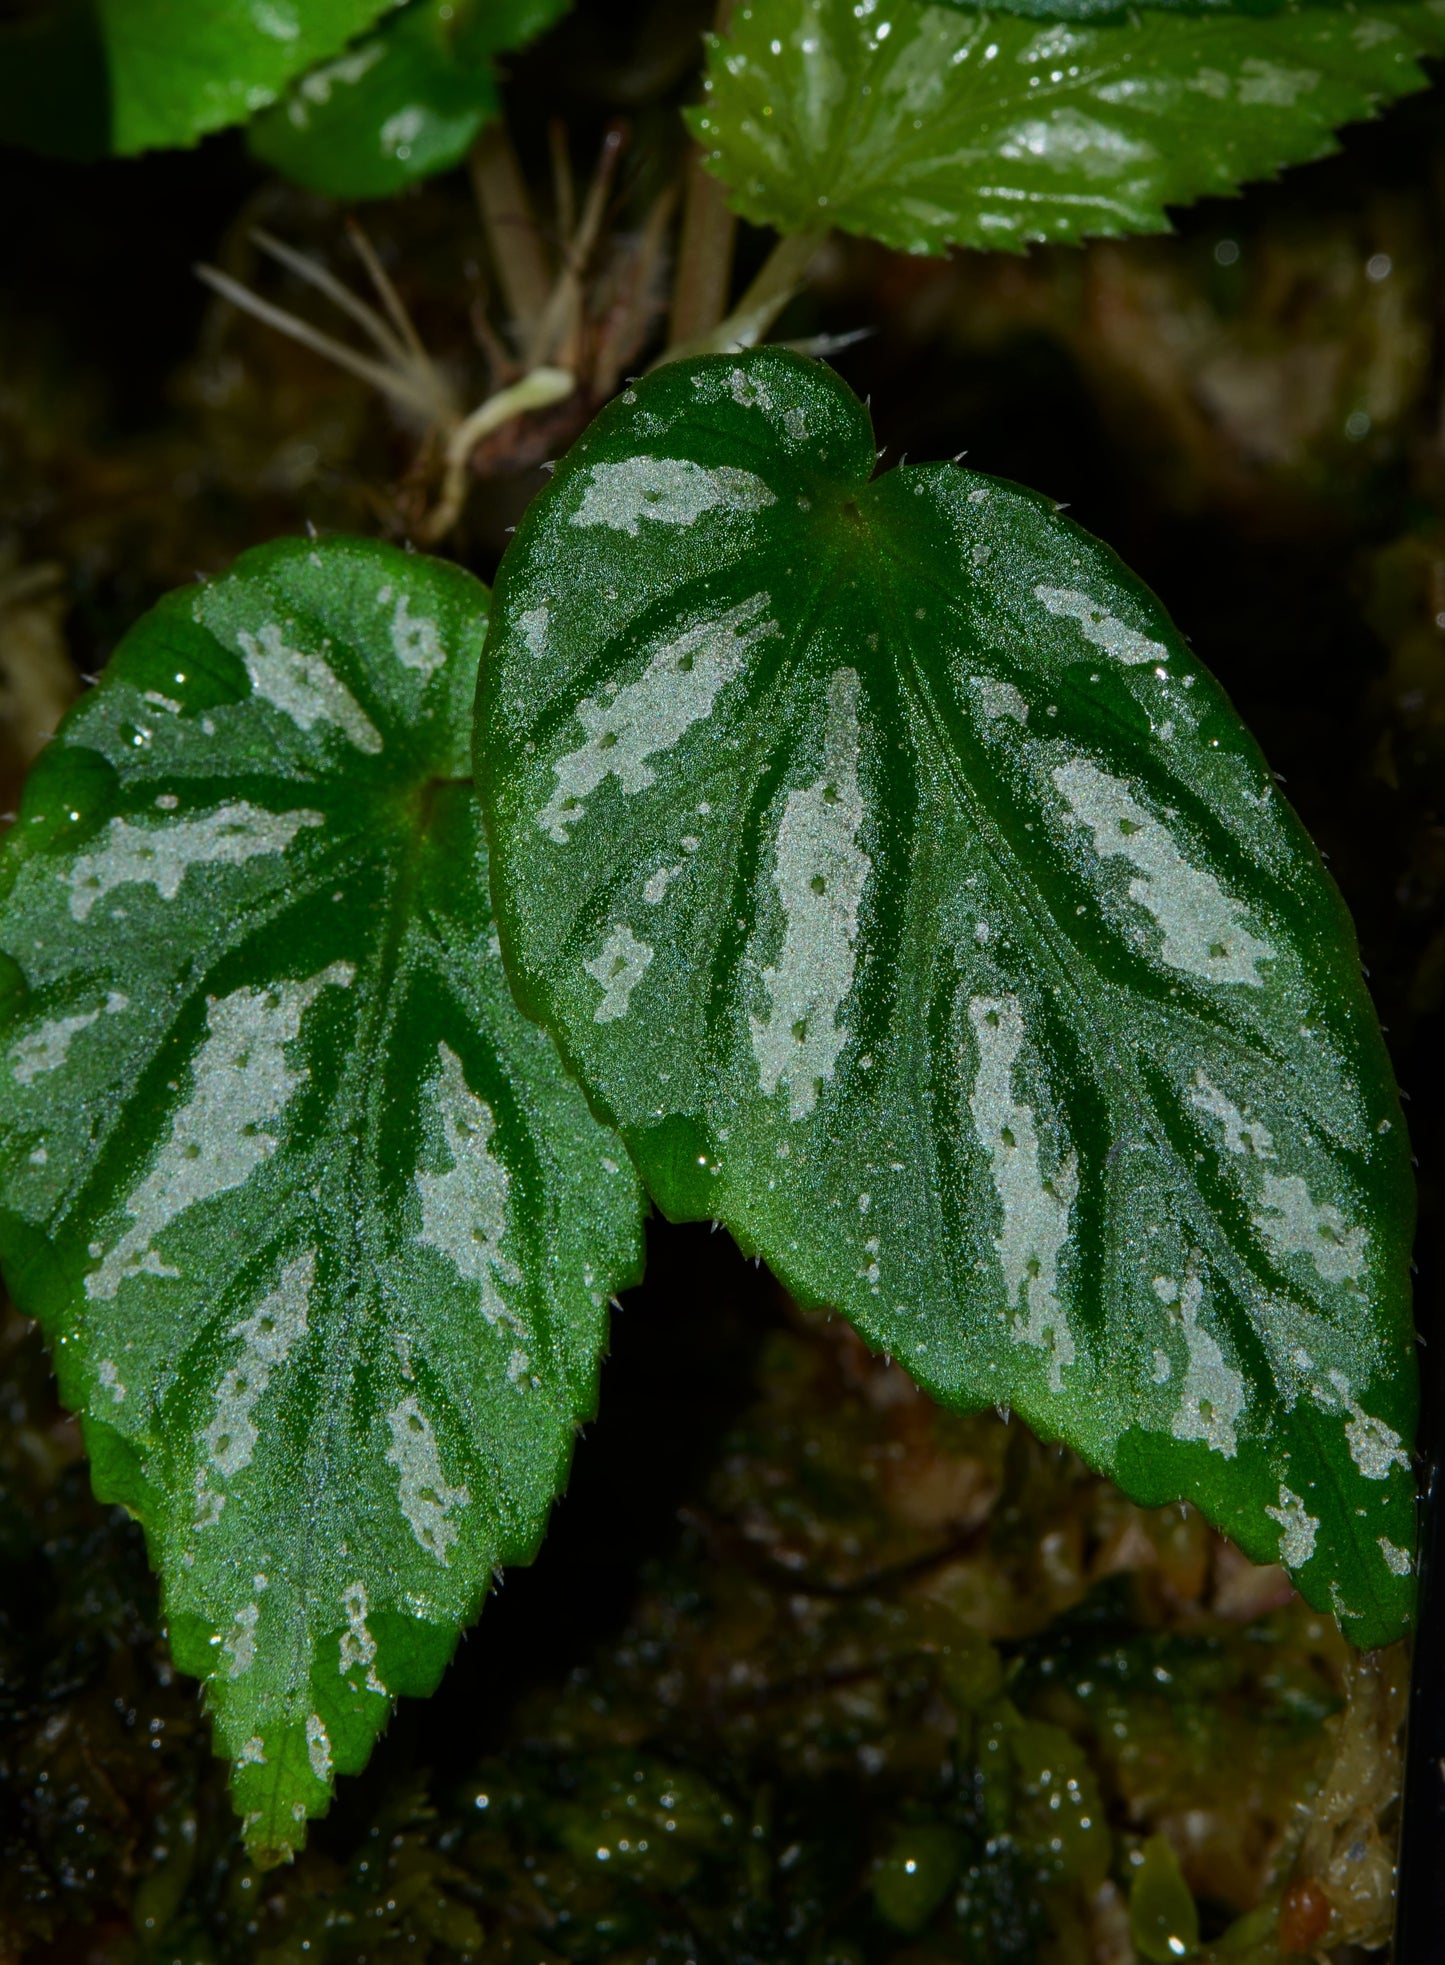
{"x":402,"y":104}
{"x":178,"y":72}
{"x":321,"y":1233}
{"x":1104,"y":10}
{"x":916,"y":904}
{"x":927,"y":127}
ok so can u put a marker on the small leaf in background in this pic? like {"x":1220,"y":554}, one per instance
{"x":1106,"y":10}
{"x":918,"y":906}
{"x":153,"y":75}
{"x":178,"y":72}
{"x":402,"y":104}
{"x":927,"y":127}
{"x":319,"y":1230}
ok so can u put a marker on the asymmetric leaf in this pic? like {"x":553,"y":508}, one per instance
{"x":406,"y":102}
{"x":320,"y":1232}
{"x":927,"y":127}
{"x":917,"y":905}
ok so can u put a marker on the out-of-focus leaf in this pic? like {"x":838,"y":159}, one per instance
{"x":916,"y":904}
{"x":1101,"y":10}
{"x":927,"y":127}
{"x":402,"y":104}
{"x":151,"y":74}
{"x":177,"y":72}
{"x":321,"y":1233}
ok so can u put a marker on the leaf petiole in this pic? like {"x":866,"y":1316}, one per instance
{"x":513,"y":235}
{"x":780,"y":277}
{"x":705,"y":244}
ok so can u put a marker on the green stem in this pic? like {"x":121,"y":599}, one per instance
{"x":780,"y":277}
{"x":538,"y":390}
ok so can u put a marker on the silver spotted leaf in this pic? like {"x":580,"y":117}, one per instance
{"x":928,"y":127}
{"x":178,"y":72}
{"x":401,"y":104}
{"x":320,"y":1232}
{"x":915,"y":903}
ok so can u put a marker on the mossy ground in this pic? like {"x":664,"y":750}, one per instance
{"x":892,"y":1685}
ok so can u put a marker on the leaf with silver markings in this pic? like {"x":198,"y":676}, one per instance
{"x":914,"y":902}
{"x":932,"y":126}
{"x":402,"y":104}
{"x":320,"y":1231}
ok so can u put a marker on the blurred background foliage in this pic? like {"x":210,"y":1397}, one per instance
{"x":807,"y":1670}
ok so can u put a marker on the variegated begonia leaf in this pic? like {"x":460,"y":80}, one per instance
{"x":1102,"y":10}
{"x":915,"y":903}
{"x":401,"y":104}
{"x":927,"y":127}
{"x":319,"y":1230}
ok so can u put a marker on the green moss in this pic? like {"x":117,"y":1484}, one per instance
{"x":901,"y":1681}
{"x":1162,"y":1913}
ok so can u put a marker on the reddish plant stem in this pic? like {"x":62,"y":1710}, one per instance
{"x":511,"y":227}
{"x":703,"y":279}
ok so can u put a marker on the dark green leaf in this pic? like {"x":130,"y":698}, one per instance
{"x":916,"y":903}
{"x":930,"y":126}
{"x":321,"y":1234}
{"x":404,"y":103}
{"x":54,"y":89}
{"x":491,"y":27}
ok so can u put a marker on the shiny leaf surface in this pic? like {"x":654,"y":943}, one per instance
{"x":320,"y":1232}
{"x":178,"y":72}
{"x":927,"y":127}
{"x":1112,"y":10}
{"x":402,"y":104}
{"x":916,"y":904}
